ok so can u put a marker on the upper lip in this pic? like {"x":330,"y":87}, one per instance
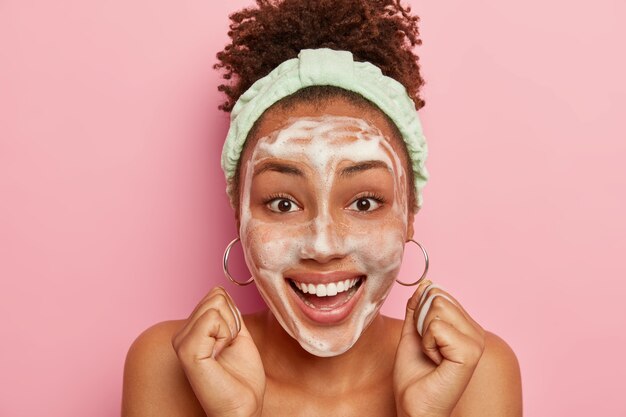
{"x":325,"y":278}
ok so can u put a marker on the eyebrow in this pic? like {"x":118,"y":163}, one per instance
{"x":278,"y":167}
{"x":363,"y":166}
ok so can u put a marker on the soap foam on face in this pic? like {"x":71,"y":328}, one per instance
{"x":373,"y":247}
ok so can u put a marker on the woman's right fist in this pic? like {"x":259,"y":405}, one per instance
{"x":220,"y":359}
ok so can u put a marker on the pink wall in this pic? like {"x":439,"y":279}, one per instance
{"x":113,"y":215}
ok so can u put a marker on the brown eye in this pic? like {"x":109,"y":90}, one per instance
{"x":362,"y":204}
{"x":365,"y":204}
{"x":282,"y":205}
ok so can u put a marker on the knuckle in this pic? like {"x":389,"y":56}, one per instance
{"x":474,"y":352}
{"x":175,"y":341}
{"x":185,"y":352}
{"x":215,"y":302}
{"x":436,"y":325}
{"x":482,"y":333}
{"x":217,"y":290}
{"x":219,"y":300}
{"x":438,"y":302}
{"x":212,"y":314}
{"x":481,"y":345}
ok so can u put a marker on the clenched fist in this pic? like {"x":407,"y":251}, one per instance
{"x":436,"y":326}
{"x":220,"y":358}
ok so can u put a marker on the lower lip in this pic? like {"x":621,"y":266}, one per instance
{"x":333,"y":316}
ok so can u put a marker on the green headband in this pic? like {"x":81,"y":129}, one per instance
{"x":326,"y":66}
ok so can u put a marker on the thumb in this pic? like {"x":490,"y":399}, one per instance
{"x":410,"y":322}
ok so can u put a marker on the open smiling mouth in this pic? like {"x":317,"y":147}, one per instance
{"x":327,"y":297}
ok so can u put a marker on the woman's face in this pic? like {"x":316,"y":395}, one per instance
{"x":323,"y":220}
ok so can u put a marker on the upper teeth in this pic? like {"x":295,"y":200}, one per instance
{"x":330,"y":289}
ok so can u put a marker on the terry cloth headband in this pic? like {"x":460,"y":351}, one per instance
{"x":326,"y":66}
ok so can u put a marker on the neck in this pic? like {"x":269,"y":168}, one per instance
{"x":366,"y":363}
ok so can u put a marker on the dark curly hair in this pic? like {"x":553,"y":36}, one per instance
{"x":378,"y":31}
{"x":381,"y":32}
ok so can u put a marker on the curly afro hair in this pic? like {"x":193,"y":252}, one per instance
{"x":381,"y":32}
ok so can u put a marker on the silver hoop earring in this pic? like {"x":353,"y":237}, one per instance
{"x":425,"y":268}
{"x":225,"y":265}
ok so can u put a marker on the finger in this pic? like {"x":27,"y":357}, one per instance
{"x":217,"y":301}
{"x":425,"y":309}
{"x":450,"y":348}
{"x":444,"y":291}
{"x":422,"y":307}
{"x":411,"y":306}
{"x":427,"y":291}
{"x":232,"y":305}
{"x":207,"y":296}
{"x":206,"y":338}
{"x":435,"y":288}
{"x":430,"y":348}
{"x":440,"y":306}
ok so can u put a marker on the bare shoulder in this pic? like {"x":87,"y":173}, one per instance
{"x":496,"y":387}
{"x":154,"y":382}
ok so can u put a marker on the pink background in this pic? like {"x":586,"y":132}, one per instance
{"x":113,"y":214}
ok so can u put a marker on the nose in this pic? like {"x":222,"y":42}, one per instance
{"x":325,"y":240}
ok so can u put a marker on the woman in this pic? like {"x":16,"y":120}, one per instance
{"x":324,"y":162}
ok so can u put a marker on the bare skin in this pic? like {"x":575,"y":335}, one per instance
{"x":218,"y":362}
{"x":155,"y":383}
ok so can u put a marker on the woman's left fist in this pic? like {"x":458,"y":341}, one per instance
{"x":436,"y":326}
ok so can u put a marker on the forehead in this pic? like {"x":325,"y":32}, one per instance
{"x":326,"y":138}
{"x":350,"y":123}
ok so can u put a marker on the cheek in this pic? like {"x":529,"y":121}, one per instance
{"x":268,"y":247}
{"x":378,"y":247}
